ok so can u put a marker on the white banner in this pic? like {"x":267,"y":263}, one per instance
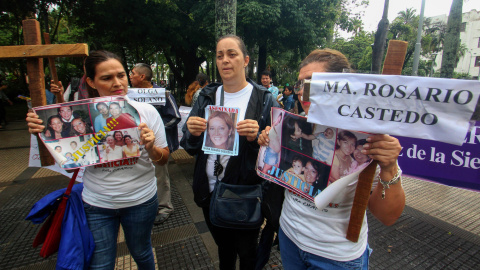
{"x":154,"y":96}
{"x":419,"y":107}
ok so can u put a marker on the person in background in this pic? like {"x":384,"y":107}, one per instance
{"x":315,"y":239}
{"x":141,"y":77}
{"x":288,"y":101}
{"x":132,"y":201}
{"x":195,"y":88}
{"x":255,"y":104}
{"x":267,"y":83}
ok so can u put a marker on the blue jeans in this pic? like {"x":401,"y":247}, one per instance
{"x":296,"y":259}
{"x":137,"y":224}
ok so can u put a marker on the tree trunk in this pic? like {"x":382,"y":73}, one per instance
{"x":262,"y":61}
{"x":380,"y":41}
{"x":452,"y":40}
{"x":225,"y":17}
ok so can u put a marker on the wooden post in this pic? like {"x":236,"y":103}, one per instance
{"x":53,"y":70}
{"x":36,"y":80}
{"x":392,"y":66}
{"x":34,"y":51}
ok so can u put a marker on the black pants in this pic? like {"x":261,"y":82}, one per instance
{"x":233,"y":242}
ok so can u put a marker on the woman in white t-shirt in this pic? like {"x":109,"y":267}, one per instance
{"x":110,"y":196}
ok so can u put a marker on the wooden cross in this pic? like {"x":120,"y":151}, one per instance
{"x":34,"y":51}
{"x":392,"y":65}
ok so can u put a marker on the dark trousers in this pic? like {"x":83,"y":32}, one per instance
{"x":233,"y":242}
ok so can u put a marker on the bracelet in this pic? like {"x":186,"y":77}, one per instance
{"x":393,"y":181}
{"x":159,"y":158}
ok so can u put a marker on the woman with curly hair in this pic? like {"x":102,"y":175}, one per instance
{"x":195,"y":88}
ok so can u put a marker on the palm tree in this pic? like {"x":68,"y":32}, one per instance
{"x":408,"y":15}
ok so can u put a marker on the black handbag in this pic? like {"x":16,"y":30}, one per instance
{"x":236,"y":206}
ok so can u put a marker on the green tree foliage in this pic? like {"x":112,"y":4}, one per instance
{"x":452,"y":40}
{"x":181,"y":33}
{"x":357,"y":49}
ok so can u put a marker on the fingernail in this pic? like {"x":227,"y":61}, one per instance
{"x":368,"y":139}
{"x":364,"y":152}
{"x":366,"y":145}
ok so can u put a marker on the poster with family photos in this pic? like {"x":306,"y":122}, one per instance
{"x":305,"y":158}
{"x":91,"y":131}
{"x":221,"y":136}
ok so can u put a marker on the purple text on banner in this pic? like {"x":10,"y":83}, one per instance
{"x":448,"y":164}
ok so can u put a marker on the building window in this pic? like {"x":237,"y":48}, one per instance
{"x":478,"y":46}
{"x":477,"y":61}
{"x":463,"y":26}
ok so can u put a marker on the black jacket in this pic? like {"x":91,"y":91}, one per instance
{"x":240,"y":169}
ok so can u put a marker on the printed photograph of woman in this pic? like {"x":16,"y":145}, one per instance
{"x":80,"y":127}
{"x":131,"y":148}
{"x":220,"y":131}
{"x":55,"y":128}
{"x":118,"y":136}
{"x":343,"y":160}
{"x":122,"y":120}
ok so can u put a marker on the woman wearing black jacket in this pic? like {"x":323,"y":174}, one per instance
{"x":255,"y":103}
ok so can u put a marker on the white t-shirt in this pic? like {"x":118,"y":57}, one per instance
{"x":238,"y":100}
{"x":322,"y":231}
{"x":128,"y":182}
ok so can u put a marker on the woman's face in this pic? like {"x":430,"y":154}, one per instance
{"x":110,"y":78}
{"x":347,"y":146}
{"x":231,"y":62}
{"x":310,"y":173}
{"x":219,"y":132}
{"x":359,"y":156}
{"x":56,"y":124}
{"x":115,"y":110}
{"x":118,"y":136}
{"x":79,"y":126}
{"x":128,"y":140}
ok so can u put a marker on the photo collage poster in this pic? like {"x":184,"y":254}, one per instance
{"x":91,"y":131}
{"x":221,"y":136}
{"x":305,"y":158}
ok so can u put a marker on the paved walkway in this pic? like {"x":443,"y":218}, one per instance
{"x":439,"y":229}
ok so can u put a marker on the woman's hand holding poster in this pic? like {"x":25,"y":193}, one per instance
{"x":221,"y":136}
{"x":90,"y":131}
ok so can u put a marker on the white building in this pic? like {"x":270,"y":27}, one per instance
{"x":470,"y":36}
